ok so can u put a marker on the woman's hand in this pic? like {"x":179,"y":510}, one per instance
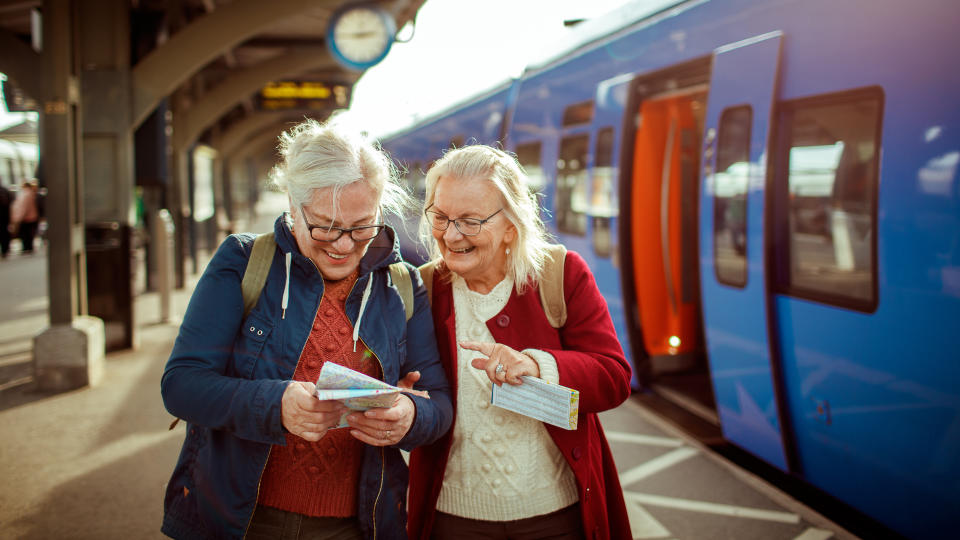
{"x":384,"y":426}
{"x":515,"y":364}
{"x":306,"y":416}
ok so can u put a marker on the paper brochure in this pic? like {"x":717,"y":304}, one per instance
{"x":550,"y":403}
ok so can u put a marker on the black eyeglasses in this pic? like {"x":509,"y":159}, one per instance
{"x":466,"y":226}
{"x":332,"y":234}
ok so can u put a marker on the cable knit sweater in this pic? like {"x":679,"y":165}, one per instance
{"x":502,"y":466}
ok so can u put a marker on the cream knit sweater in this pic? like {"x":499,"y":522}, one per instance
{"x":502,"y":466}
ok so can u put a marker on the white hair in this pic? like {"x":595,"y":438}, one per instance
{"x":319,"y":155}
{"x":480,"y":163}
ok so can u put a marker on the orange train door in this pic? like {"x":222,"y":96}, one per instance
{"x":664,"y":196}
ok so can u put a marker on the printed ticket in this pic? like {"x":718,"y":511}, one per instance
{"x":357,"y":391}
{"x":550,"y":403}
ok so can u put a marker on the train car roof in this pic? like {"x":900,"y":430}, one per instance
{"x":465,"y":103}
{"x":589,"y":34}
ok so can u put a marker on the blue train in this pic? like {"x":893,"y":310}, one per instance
{"x":767,"y":193}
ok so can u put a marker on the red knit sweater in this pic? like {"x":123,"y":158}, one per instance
{"x":320,"y":478}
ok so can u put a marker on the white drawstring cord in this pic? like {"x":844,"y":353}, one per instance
{"x":286,"y":290}
{"x":363,"y":305}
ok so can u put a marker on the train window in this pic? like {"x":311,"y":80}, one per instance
{"x":603,"y":195}
{"x":830,"y":165}
{"x":528,"y":155}
{"x":571,"y":200}
{"x":730,"y":196}
{"x":578,"y":113}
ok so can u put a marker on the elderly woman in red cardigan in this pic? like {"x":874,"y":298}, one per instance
{"x":496,"y":473}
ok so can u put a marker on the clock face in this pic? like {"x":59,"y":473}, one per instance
{"x":360,"y":36}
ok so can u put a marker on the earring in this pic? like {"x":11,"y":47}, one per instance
{"x":508,"y":251}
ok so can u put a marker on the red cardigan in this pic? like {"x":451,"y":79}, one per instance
{"x":589,"y":358}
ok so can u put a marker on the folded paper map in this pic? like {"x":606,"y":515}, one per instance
{"x":550,"y":403}
{"x":357,"y":391}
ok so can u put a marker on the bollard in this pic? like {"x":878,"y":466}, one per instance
{"x":163,"y":250}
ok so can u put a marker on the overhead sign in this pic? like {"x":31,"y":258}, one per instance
{"x":303,"y":95}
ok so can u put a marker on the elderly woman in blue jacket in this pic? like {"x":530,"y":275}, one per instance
{"x":262,"y":455}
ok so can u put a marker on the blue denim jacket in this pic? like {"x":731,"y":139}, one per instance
{"x":226,"y":376}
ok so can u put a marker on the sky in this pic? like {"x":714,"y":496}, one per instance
{"x":459,"y":49}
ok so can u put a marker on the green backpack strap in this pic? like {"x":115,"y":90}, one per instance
{"x":258,"y":266}
{"x":426,"y":273}
{"x":551,"y":286}
{"x":401,"y":280}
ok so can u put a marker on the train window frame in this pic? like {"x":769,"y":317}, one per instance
{"x":560,"y":215}
{"x":536,"y":183}
{"x":782,"y":252}
{"x":601,"y":217}
{"x":721,"y":139}
{"x":578,"y":114}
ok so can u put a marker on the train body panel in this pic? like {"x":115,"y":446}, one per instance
{"x":801,"y":286}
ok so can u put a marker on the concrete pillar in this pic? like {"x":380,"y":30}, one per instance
{"x":70,"y":353}
{"x":107,"y":144}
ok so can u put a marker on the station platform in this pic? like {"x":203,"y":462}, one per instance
{"x":93,"y":462}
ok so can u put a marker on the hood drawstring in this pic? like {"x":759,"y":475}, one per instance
{"x":286,"y":290}
{"x":363,"y":305}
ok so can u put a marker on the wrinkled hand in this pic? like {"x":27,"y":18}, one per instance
{"x":409,"y":380}
{"x":306,"y":416}
{"x":383,"y":426}
{"x":515,"y":364}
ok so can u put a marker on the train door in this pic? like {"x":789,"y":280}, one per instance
{"x":664,"y":237}
{"x":734,"y":286}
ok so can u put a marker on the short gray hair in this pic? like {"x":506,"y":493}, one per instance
{"x":319,"y":155}
{"x":486,"y":164}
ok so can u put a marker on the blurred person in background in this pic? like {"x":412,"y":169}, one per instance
{"x":499,"y":474}
{"x":6,"y":197}
{"x":26,"y":214}
{"x":261,"y":458}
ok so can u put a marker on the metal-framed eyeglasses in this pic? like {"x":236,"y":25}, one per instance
{"x":329,"y":233}
{"x":466,"y":226}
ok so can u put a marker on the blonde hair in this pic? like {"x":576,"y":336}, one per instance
{"x":486,"y":164}
{"x":319,"y":155}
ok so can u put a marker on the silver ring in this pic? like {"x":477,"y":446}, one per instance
{"x":500,"y":369}
{"x":387,"y":434}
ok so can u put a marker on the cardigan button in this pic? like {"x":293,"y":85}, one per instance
{"x":503,"y":321}
{"x":577,"y":452}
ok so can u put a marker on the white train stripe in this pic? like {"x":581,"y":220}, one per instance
{"x":711,"y":508}
{"x":814,"y":534}
{"x":649,"y":440}
{"x":656,"y":465}
{"x":642,"y":524}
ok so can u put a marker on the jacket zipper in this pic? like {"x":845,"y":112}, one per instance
{"x":383,"y":460}
{"x":302,"y":347}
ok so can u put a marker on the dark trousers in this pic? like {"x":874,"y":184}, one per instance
{"x":28,"y":230}
{"x":4,"y":240}
{"x":564,"y":524}
{"x":274,"y":524}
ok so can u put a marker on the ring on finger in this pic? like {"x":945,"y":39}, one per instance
{"x":500,"y":369}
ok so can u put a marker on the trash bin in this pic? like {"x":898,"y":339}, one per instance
{"x":110,"y":281}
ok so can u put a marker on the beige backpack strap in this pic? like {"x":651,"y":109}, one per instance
{"x":258,"y":266}
{"x":426,"y":273}
{"x":551,"y":286}
{"x":401,"y":280}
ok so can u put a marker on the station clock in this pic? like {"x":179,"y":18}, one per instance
{"x":360,"y":35}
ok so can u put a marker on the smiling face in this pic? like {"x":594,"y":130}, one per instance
{"x":480,"y":260}
{"x":357,"y":204}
